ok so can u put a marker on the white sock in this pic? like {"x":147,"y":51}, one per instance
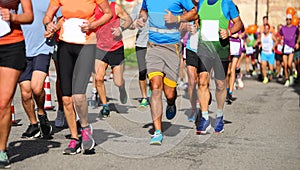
{"x":219,"y":113}
{"x":205,"y":115}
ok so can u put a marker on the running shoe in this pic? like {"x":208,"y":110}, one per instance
{"x":287,"y":83}
{"x":266,"y":80}
{"x":4,"y":161}
{"x":73,"y":147}
{"x":33,"y":131}
{"x":144,"y":102}
{"x":291,"y":80}
{"x":219,"y":125}
{"x":60,"y":119}
{"x":45,"y":125}
{"x":156,"y":138}
{"x":203,"y":127}
{"x":254,"y":73}
{"x":88,"y":141}
{"x":248,"y":74}
{"x":105,"y":112}
{"x":192,"y":117}
{"x":123,"y":95}
{"x":171,"y":111}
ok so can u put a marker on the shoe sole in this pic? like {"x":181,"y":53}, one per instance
{"x":90,"y":148}
{"x":219,"y":132}
{"x":156,"y":143}
{"x":201,"y":132}
{"x":31,"y":137}
{"x":5,"y":167}
{"x":73,"y":153}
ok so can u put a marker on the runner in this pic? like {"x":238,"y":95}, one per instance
{"x":163,"y":54}
{"x":32,"y":79}
{"x":297,"y":58}
{"x":110,"y":51}
{"x":235,"y":54}
{"x":141,"y":49}
{"x":213,"y":50}
{"x":268,"y":42}
{"x":278,"y":54}
{"x":12,"y":63}
{"x":76,"y":56}
{"x":289,"y":33}
{"x":250,"y":52}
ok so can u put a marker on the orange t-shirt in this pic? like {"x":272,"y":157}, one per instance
{"x":16,"y":34}
{"x":82,"y":9}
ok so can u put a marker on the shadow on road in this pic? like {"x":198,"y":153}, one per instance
{"x":168,"y":129}
{"x":100,"y":135}
{"x":23,"y":149}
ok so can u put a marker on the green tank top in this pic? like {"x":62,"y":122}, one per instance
{"x":213,"y":12}
{"x":250,"y":40}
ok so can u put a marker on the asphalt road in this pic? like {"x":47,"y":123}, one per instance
{"x":262,"y":131}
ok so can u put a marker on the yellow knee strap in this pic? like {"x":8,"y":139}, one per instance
{"x":169,"y":82}
{"x":156,"y":73}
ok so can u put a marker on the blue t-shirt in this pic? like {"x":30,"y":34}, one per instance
{"x":34,"y":33}
{"x":156,"y":11}
{"x":228,"y":8}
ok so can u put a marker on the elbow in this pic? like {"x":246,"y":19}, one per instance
{"x":30,"y":18}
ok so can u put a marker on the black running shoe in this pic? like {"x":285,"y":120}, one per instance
{"x":73,"y":147}
{"x":46,"y":127}
{"x":33,"y":131}
{"x":105,"y":112}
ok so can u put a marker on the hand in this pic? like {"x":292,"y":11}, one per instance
{"x":48,"y":34}
{"x":194,"y":29}
{"x":169,"y":17}
{"x":51,"y":27}
{"x":296,"y":46}
{"x":86,"y":27}
{"x":140,"y":23}
{"x":223,"y":33}
{"x":5,"y":14}
{"x":116,"y":31}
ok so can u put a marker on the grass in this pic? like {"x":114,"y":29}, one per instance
{"x":130,"y":57}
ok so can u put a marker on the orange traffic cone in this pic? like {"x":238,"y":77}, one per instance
{"x":48,"y":103}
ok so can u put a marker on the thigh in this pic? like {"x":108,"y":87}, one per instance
{"x":8,"y":82}
{"x":220,"y":69}
{"x":41,"y":63}
{"x":154,"y":61}
{"x":66,"y":59}
{"x":116,"y":58}
{"x":83,"y":69}
{"x":141,"y":55}
{"x":27,"y":73}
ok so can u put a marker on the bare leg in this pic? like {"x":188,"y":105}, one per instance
{"x":156,"y":101}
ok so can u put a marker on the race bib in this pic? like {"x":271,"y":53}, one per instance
{"x":194,"y":41}
{"x":288,"y":49}
{"x":4,"y":27}
{"x":279,"y":47}
{"x":235,"y":48}
{"x":249,"y":50}
{"x":72,"y":30}
{"x":210,"y":30}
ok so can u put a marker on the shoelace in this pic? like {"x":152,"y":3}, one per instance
{"x":155,"y":135}
{"x":72,"y":144}
{"x":85,"y":134}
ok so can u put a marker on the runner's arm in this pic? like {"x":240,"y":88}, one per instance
{"x":25,"y":18}
{"x":124,"y":16}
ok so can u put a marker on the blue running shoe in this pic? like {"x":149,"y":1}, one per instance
{"x":219,"y":125}
{"x":171,"y":111}
{"x":203,"y":127}
{"x":192,"y":117}
{"x":156,"y":138}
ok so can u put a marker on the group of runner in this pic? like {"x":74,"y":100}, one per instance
{"x":90,"y":40}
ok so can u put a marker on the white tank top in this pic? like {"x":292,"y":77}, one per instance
{"x":267,"y":43}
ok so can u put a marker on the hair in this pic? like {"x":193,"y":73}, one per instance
{"x":267,"y":25}
{"x":266,"y":17}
